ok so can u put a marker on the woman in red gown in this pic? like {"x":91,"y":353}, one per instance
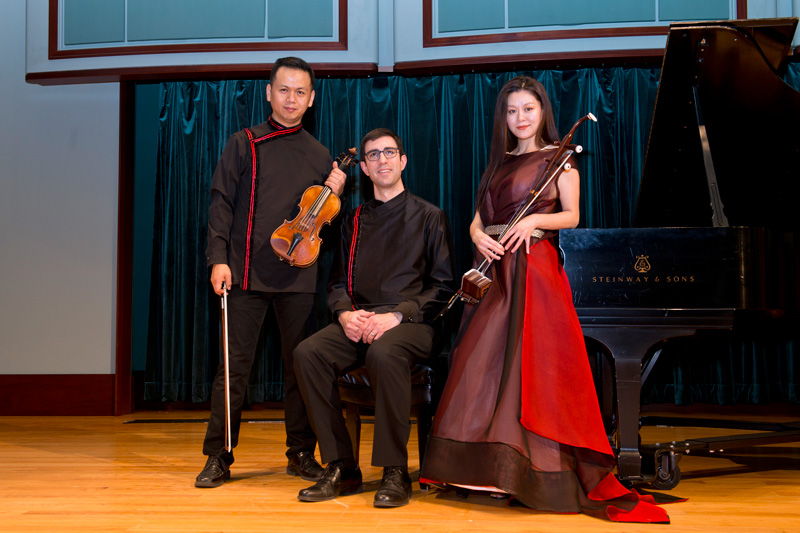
{"x":519,"y":414}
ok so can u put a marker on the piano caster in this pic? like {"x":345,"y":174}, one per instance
{"x":627,"y":483}
{"x":668,"y":473}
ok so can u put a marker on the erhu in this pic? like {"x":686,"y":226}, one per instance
{"x":475,"y":283}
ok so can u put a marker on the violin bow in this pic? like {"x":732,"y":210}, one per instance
{"x":226,"y":364}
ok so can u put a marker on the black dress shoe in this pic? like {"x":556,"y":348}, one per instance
{"x":395,"y":489}
{"x":214,"y":473}
{"x":336,"y":481}
{"x":304,"y":464}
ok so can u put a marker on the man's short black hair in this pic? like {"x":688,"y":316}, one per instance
{"x":291,"y":62}
{"x":376,"y":134}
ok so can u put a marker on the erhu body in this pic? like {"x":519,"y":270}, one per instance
{"x":298,"y":242}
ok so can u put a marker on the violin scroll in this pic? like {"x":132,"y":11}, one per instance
{"x":348,"y":159}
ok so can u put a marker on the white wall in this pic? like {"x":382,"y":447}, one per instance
{"x":763,"y":9}
{"x":58,"y":203}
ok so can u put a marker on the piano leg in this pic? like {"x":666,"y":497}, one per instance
{"x":628,"y":346}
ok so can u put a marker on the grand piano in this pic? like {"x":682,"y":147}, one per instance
{"x":715,"y":234}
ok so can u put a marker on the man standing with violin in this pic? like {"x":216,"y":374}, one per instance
{"x":258,"y":182}
{"x":393,"y":273}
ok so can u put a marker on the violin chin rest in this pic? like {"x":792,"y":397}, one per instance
{"x":281,"y":247}
{"x":300,"y":257}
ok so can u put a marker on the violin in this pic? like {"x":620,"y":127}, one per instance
{"x":297,"y":242}
{"x":475,"y":283}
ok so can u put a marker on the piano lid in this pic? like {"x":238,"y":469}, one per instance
{"x":751,"y":122}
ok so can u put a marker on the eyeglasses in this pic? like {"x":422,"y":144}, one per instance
{"x":374,"y":155}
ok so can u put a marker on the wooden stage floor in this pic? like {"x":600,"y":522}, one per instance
{"x":136,"y":473}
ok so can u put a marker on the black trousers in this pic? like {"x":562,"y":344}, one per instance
{"x":322,"y":358}
{"x":246,"y":312}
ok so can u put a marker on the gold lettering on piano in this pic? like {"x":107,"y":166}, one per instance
{"x":643,"y":279}
{"x":620,"y":279}
{"x":643,"y":266}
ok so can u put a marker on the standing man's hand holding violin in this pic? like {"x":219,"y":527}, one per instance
{"x":336,"y":180}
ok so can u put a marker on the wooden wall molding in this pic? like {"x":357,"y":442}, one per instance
{"x":259,"y":71}
{"x":56,"y":394}
{"x":123,"y":388}
{"x":428,"y":40}
{"x":599,"y":58}
{"x":261,"y":46}
{"x":244,"y":71}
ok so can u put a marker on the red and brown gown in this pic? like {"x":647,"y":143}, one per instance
{"x":519,"y":412}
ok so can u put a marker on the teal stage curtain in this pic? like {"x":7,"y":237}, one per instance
{"x":445,"y":123}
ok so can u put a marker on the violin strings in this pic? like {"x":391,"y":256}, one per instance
{"x":305,"y":222}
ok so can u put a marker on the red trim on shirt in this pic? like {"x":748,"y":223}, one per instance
{"x":281,"y":130}
{"x":352,"y":259}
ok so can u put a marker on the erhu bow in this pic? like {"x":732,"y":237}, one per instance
{"x":475,"y":283}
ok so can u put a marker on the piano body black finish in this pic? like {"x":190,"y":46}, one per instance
{"x":716,"y":232}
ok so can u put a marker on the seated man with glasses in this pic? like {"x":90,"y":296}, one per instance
{"x":393,"y":274}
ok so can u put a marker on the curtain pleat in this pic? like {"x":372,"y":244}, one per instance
{"x":445,"y":123}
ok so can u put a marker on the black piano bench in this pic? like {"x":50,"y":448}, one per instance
{"x":356,"y":395}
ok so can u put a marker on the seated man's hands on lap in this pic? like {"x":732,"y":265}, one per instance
{"x":366,"y":326}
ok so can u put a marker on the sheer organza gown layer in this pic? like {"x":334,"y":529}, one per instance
{"x":519,"y":413}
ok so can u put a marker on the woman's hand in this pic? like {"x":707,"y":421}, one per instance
{"x":486,"y":245}
{"x":568,"y":217}
{"x":521,"y":232}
